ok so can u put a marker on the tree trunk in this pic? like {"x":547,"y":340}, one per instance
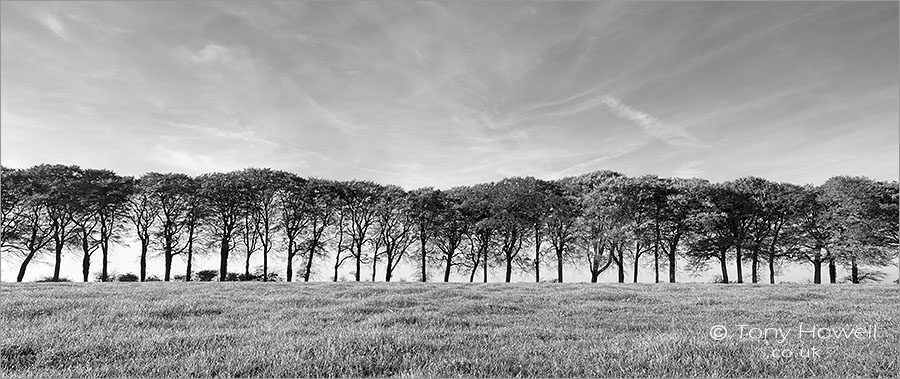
{"x":104,"y":251}
{"x":817,"y":272}
{"x":621,"y":264}
{"x":265,"y":277}
{"x":289,"y":275}
{"x":374,"y":262}
{"x":448,"y":259}
{"x":594,"y":275}
{"x":673,"y":249}
{"x":144,"y":244}
{"x":559,"y":266}
{"x":508,"y":269}
{"x":739,"y":263}
{"x":190,"y":254}
{"x":656,"y":250}
{"x":537,"y":254}
{"x":86,"y":260}
{"x":723,"y":261}
{"x":423,"y":239}
{"x":771,"y":269}
{"x":24,"y":265}
{"x":168,"y":260}
{"x":58,"y":259}
{"x":309,"y":263}
{"x":754,"y":265}
{"x":358,"y":260}
{"x":637,"y":257}
{"x":223,"y":254}
{"x":832,"y":271}
{"x":854,"y":271}
{"x":387,"y":269}
{"x":168,"y":272}
{"x":484,"y":256}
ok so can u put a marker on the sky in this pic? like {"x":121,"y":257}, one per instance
{"x":444,"y":94}
{"x":454,"y":93}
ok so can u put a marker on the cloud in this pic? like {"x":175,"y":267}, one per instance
{"x":671,"y":134}
{"x":689,"y":170}
{"x":210,"y":53}
{"x":54,"y":24}
{"x":592,"y":163}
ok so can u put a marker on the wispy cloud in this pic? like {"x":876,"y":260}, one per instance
{"x":53,"y":23}
{"x":593,"y":163}
{"x":671,"y":134}
{"x":689,"y":170}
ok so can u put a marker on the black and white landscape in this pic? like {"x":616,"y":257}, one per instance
{"x":446,"y":189}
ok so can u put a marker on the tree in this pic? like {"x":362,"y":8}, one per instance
{"x":735,"y":202}
{"x":812,"y":231}
{"x":294,"y":208}
{"x":564,"y":211}
{"x":26,"y":225}
{"x":112,"y":209}
{"x":450,"y":231}
{"x":779,"y":206}
{"x":261,"y":219}
{"x":601,"y":225}
{"x":196,"y":216}
{"x":225,"y":195}
{"x":91,"y":200}
{"x":394,"y":221}
{"x":361,"y":200}
{"x":143,"y":209}
{"x":424,"y":206}
{"x":678,"y":218}
{"x":173,"y":194}
{"x":323,"y":203}
{"x":59,"y":183}
{"x":854,"y":209}
{"x":712,"y":236}
{"x":477,"y":210}
{"x":514,"y":213}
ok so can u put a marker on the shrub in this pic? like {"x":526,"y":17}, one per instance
{"x":178,"y":278}
{"x":246,"y":277}
{"x":48,"y":279}
{"x":153,"y":278}
{"x":127,"y":277}
{"x":206,"y":275}
{"x":232,"y":277}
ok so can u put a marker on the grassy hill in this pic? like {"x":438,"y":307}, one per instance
{"x":436,"y":329}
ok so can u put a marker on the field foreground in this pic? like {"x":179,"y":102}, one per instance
{"x":437,"y":329}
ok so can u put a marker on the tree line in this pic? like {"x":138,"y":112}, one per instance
{"x":598,"y":221}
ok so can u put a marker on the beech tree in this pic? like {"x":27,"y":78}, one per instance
{"x":451,"y":231}
{"x":225,"y":195}
{"x":424,"y":206}
{"x":477,"y":210}
{"x":394,"y":227}
{"x":143,"y":209}
{"x":361,"y":201}
{"x":26,"y":224}
{"x":294,"y":208}
{"x":323,"y":203}
{"x":561,"y":222}
{"x":61,"y":196}
{"x":173,"y":196}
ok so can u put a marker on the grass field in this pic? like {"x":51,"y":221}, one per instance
{"x":415,"y":329}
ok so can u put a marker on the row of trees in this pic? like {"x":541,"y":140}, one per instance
{"x":598,"y":221}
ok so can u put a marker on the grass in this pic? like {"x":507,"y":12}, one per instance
{"x":434,"y":329}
